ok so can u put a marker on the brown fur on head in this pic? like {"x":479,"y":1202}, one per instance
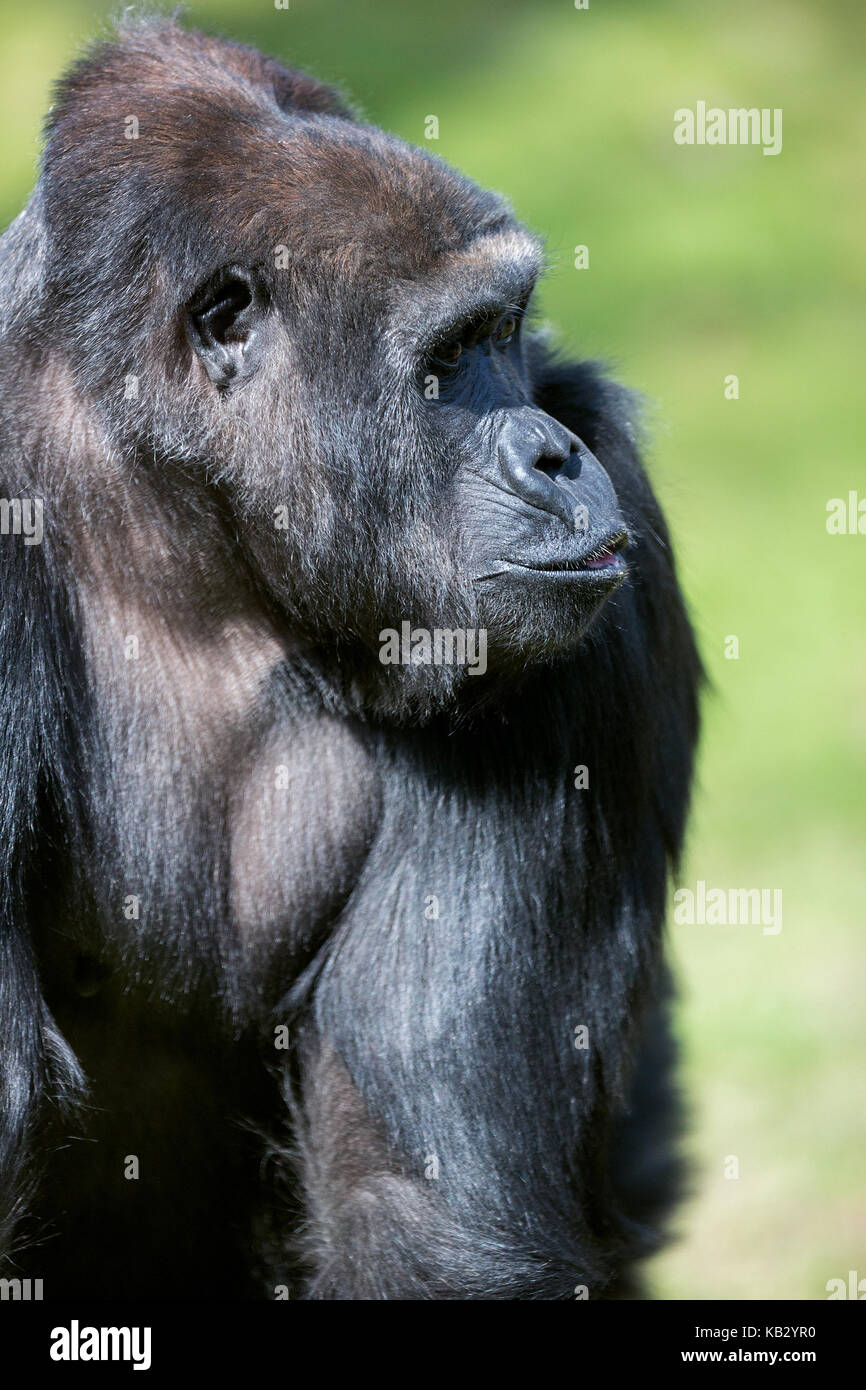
{"x":254,"y":155}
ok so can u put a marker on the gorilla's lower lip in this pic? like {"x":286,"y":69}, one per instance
{"x":606,"y":556}
{"x":607,"y":571}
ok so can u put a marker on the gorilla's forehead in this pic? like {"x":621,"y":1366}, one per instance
{"x":223,"y":170}
{"x":353,"y":198}
{"x":387,"y":212}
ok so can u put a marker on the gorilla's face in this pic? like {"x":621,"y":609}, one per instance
{"x":538,"y":532}
{"x":390,"y":464}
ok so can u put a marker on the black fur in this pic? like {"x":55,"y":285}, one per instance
{"x":280,"y":804}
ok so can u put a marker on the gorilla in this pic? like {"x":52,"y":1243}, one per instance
{"x":349,"y":703}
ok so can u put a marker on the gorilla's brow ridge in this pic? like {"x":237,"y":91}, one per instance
{"x":486,"y":279}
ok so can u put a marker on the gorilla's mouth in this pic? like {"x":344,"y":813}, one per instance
{"x":603,"y":560}
{"x":607,"y":555}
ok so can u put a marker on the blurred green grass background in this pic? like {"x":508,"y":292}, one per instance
{"x":703,"y":262}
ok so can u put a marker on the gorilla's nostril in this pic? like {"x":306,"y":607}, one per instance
{"x":557,"y":465}
{"x":573,"y":464}
{"x":549,"y":465}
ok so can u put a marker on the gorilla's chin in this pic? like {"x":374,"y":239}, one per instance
{"x":531,"y":613}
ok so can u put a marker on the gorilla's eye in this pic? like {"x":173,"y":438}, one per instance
{"x":505,"y":330}
{"x":449,"y":354}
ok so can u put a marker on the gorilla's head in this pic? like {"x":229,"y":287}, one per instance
{"x":325,"y":329}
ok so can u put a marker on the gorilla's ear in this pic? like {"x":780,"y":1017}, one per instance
{"x":225,"y":323}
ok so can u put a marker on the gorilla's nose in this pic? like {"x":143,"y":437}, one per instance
{"x":541,"y":461}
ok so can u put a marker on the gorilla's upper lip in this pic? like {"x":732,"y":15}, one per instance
{"x":605,"y":554}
